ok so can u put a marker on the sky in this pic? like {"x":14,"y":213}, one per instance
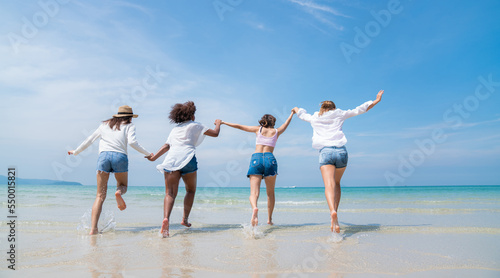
{"x":65,"y":66}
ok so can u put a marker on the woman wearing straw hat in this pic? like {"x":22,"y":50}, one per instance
{"x":115,"y":134}
{"x":329,"y":139}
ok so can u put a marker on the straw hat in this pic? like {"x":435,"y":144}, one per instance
{"x":125,"y":111}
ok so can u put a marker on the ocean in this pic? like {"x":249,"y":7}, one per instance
{"x":431,"y":231}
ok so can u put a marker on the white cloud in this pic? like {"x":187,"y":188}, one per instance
{"x":321,"y":13}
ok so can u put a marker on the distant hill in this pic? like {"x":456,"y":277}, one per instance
{"x":20,"y":181}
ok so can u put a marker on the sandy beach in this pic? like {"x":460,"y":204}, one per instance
{"x":385,"y":233}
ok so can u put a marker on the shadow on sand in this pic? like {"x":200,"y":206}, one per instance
{"x":350,"y":229}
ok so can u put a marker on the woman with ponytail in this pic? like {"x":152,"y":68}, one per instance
{"x":329,"y":139}
{"x":263,"y":164}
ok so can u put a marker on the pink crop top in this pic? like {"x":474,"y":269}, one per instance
{"x":266,"y":141}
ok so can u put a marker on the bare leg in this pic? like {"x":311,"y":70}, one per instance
{"x":171,"y":188}
{"x":190,"y":183}
{"x":102,"y":188}
{"x":121,"y":188}
{"x":270,"y":182}
{"x":331,"y":178}
{"x":254,"y":197}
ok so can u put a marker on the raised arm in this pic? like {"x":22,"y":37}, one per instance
{"x":242,"y":127}
{"x":160,"y":152}
{"x":283,"y":127}
{"x":214,"y":132}
{"x":302,"y":114}
{"x":377,"y":100}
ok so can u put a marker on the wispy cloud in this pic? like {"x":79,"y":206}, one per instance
{"x":419,"y":131}
{"x":321,"y":13}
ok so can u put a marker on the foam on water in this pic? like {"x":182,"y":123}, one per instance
{"x":107,"y":222}
{"x":335,"y":238}
{"x":252,"y":232}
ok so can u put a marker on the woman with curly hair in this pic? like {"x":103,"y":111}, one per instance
{"x":115,"y":134}
{"x":329,"y":139}
{"x":263,"y":164}
{"x":180,"y":161}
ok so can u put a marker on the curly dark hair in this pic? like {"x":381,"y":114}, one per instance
{"x":116,"y":122}
{"x":267,"y":120}
{"x":182,"y":112}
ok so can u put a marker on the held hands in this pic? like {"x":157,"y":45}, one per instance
{"x":295,"y":110}
{"x":151,"y":157}
{"x":218,"y":122}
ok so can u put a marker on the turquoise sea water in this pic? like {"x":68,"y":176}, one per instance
{"x":445,"y":205}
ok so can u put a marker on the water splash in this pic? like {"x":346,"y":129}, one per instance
{"x":107,"y":222}
{"x":335,"y":238}
{"x":252,"y":232}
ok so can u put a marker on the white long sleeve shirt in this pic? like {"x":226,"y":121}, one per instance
{"x":327,"y":128}
{"x":113,"y":140}
{"x":183,"y":140}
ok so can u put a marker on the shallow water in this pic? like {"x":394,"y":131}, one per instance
{"x":385,"y":231}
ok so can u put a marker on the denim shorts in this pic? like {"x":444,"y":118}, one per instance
{"x":191,"y":167}
{"x":263,"y":164}
{"x":112,"y":162}
{"x":336,"y":156}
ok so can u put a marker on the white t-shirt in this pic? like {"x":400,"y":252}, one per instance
{"x":113,"y":140}
{"x":327,"y":128}
{"x":183,"y":140}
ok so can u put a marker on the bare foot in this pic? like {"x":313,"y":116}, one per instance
{"x":93,"y":232}
{"x":255,"y":217}
{"x":185,"y":222}
{"x":270,"y":222}
{"x":120,"y":201}
{"x":335,"y":222}
{"x":164,"y":228}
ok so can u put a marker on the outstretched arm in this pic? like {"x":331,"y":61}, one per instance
{"x":86,"y":143}
{"x":302,"y":114}
{"x":243,"y":127}
{"x":283,"y":127}
{"x":377,"y":100}
{"x":159,"y":153}
{"x":214,"y":132}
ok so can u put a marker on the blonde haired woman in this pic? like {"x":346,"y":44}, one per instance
{"x":329,"y":139}
{"x":115,"y":134}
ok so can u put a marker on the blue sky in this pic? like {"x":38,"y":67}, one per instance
{"x":66,"y":65}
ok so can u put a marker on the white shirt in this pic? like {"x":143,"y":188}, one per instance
{"x":113,"y":140}
{"x":183,"y":140}
{"x":327,"y":128}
